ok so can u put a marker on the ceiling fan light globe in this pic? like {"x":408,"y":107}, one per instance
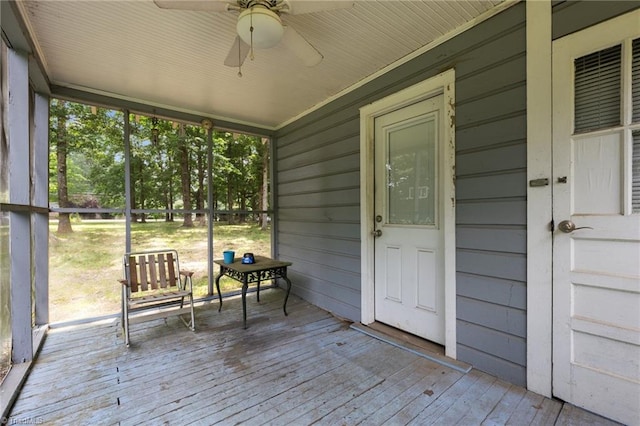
{"x":267,"y":27}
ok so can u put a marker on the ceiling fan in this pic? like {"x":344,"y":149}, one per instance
{"x":260,"y":25}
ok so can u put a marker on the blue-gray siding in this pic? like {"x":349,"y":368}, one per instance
{"x":317,"y":161}
{"x":317,"y":175}
{"x":572,"y":16}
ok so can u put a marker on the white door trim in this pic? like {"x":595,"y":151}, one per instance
{"x":539,"y":203}
{"x":442,"y":83}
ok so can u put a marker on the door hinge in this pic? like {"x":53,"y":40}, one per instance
{"x":552,"y":225}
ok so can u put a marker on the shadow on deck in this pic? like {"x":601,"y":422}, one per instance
{"x":307,"y":368}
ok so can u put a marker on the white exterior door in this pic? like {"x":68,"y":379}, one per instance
{"x":409,"y":281}
{"x":596,"y":186}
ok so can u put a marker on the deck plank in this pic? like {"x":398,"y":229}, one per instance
{"x":527,"y":409}
{"x":361,"y":374}
{"x":447,"y":399}
{"x":314,"y":384}
{"x":483,"y":404}
{"x":237,"y":398}
{"x":459,"y":403}
{"x":356,"y":409}
{"x":305,"y":368}
{"x":570,"y":415}
{"x":505,"y":407}
{"x":406,"y":405}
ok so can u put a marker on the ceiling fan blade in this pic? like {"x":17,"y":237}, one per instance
{"x":293,"y":41}
{"x":199,"y":5}
{"x":298,"y":7}
{"x":237,"y":54}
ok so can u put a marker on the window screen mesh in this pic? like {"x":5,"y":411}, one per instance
{"x":597,"y":90}
{"x":635,"y":78}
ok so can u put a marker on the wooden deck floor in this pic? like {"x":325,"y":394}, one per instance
{"x":307,"y":368}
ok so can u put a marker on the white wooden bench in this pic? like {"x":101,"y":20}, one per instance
{"x":154,"y":287}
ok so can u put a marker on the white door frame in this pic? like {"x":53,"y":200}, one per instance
{"x":539,"y":198}
{"x":440,"y":84}
{"x":539,"y":202}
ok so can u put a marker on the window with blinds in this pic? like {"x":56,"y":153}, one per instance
{"x":599,"y":101}
{"x":598,"y":89}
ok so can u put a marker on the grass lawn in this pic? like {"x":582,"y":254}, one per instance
{"x":84,"y":266}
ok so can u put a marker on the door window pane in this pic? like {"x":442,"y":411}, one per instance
{"x":411,"y":174}
{"x":597,"y":90}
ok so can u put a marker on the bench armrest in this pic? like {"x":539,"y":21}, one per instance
{"x":187,"y":280}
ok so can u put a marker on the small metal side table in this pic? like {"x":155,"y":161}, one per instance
{"x":264,"y":268}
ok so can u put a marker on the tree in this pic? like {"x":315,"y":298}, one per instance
{"x":185,"y":176}
{"x":106,"y":156}
{"x":241,"y":171}
{"x":86,"y":157}
{"x":264,"y":185}
{"x":168,"y":165}
{"x":60,"y":113}
{"x":71,"y":134}
{"x":200,"y":152}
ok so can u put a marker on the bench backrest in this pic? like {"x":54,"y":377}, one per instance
{"x":152,"y":270}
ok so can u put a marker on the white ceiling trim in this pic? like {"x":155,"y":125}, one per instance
{"x":39,"y":53}
{"x":472,"y":23}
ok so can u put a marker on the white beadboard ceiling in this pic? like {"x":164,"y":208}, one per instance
{"x":173,"y":58}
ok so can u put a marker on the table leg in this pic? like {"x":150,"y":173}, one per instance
{"x":218,"y":288}
{"x":258,"y":291}
{"x":286,"y":297}
{"x":245,"y":285}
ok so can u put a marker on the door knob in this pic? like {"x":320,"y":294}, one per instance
{"x":377,"y":233}
{"x":568,"y":227}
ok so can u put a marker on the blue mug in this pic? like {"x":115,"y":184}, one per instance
{"x":228,"y":256}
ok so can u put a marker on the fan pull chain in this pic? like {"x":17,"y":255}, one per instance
{"x":239,"y":58}
{"x":251,"y":31}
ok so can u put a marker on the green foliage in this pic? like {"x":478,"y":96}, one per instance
{"x":95,"y":172}
{"x":94,"y":142}
{"x":238,"y":170}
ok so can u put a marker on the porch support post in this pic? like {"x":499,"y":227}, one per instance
{"x":19,"y":193}
{"x":40,"y":170}
{"x":210,"y":236}
{"x":539,"y":208}
{"x":127,"y":181}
